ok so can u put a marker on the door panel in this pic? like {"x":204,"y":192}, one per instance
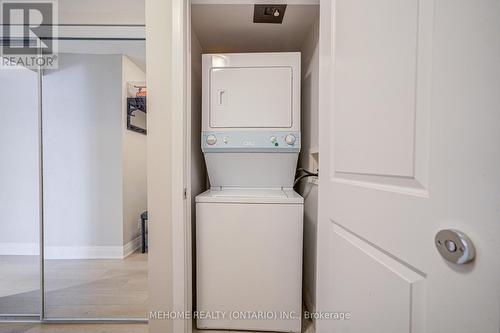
{"x":251,"y":97}
{"x":381,"y":140}
{"x":369,"y":275}
{"x":375,"y":79}
{"x":389,"y":184}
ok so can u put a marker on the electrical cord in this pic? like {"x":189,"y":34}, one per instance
{"x":306,"y":174}
{"x":305,"y":171}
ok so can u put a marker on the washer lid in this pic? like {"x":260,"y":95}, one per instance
{"x":250,"y":195}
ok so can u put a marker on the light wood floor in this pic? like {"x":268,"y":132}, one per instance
{"x":307,"y":327}
{"x":96,"y":288}
{"x":72,"y":328}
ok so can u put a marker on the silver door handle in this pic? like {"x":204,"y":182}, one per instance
{"x":455,"y":246}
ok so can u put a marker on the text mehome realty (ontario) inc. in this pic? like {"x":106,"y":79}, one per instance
{"x":247,"y":315}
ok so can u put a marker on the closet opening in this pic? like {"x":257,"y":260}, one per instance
{"x":230,"y":28}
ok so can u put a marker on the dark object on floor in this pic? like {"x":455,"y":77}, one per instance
{"x":135,"y":104}
{"x":144,"y":218}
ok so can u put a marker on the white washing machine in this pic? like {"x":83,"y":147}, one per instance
{"x":249,"y":259}
{"x":249,"y":224}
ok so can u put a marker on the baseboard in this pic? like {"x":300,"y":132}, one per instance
{"x":83,"y":252}
{"x":19,"y":249}
{"x":71,"y":252}
{"x":131,"y":246}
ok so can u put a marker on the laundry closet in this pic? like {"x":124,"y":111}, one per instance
{"x":253,"y":151}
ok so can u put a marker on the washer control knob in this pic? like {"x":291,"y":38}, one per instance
{"x":211,"y":139}
{"x":274,"y":139}
{"x":225,"y":139}
{"x":290,"y":139}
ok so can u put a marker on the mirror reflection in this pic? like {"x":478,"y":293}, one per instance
{"x":95,"y":183}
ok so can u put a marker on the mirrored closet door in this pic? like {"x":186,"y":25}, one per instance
{"x":94,"y":181}
{"x":73,"y":191}
{"x":19,"y":193}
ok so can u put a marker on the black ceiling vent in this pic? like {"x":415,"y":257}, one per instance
{"x":268,"y":13}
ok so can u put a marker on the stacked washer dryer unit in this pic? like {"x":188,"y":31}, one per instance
{"x":249,"y":224}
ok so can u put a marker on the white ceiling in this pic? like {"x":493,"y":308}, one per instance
{"x":230,"y":28}
{"x":118,"y":12}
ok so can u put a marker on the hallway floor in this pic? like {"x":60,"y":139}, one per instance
{"x":307,"y":327}
{"x":76,"y":288}
{"x":72,"y":328}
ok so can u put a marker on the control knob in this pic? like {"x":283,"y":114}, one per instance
{"x":211,"y":139}
{"x":290,"y":139}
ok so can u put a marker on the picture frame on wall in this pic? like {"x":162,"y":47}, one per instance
{"x":136,"y":107}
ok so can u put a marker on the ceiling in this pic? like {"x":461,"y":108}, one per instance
{"x":104,"y":19}
{"x":118,"y":12}
{"x":230,"y":28}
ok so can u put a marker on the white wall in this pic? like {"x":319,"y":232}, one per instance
{"x":309,"y":118}
{"x":198,"y":169}
{"x":82,"y":103}
{"x":160,"y":161}
{"x":19,"y":161}
{"x":134,"y":160}
{"x":94,"y":168}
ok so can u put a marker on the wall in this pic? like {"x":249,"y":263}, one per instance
{"x":82,"y":103}
{"x":134,"y":160}
{"x":19,"y":161}
{"x":309,"y":127}
{"x":94,"y":168}
{"x":159,"y":159}
{"x":198,"y":168}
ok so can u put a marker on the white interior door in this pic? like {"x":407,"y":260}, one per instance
{"x":409,"y":145}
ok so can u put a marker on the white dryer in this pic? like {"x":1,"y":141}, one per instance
{"x":249,"y":224}
{"x":251,"y":118}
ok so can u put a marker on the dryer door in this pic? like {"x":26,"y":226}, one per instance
{"x":254,"y":97}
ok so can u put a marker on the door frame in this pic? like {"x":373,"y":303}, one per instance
{"x":326,"y":61}
{"x":181,"y":153}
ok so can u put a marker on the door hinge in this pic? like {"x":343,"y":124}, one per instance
{"x":185,"y":193}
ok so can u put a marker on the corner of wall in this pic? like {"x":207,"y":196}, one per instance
{"x":159,"y":15}
{"x":134,"y":177}
{"x":309,"y":127}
